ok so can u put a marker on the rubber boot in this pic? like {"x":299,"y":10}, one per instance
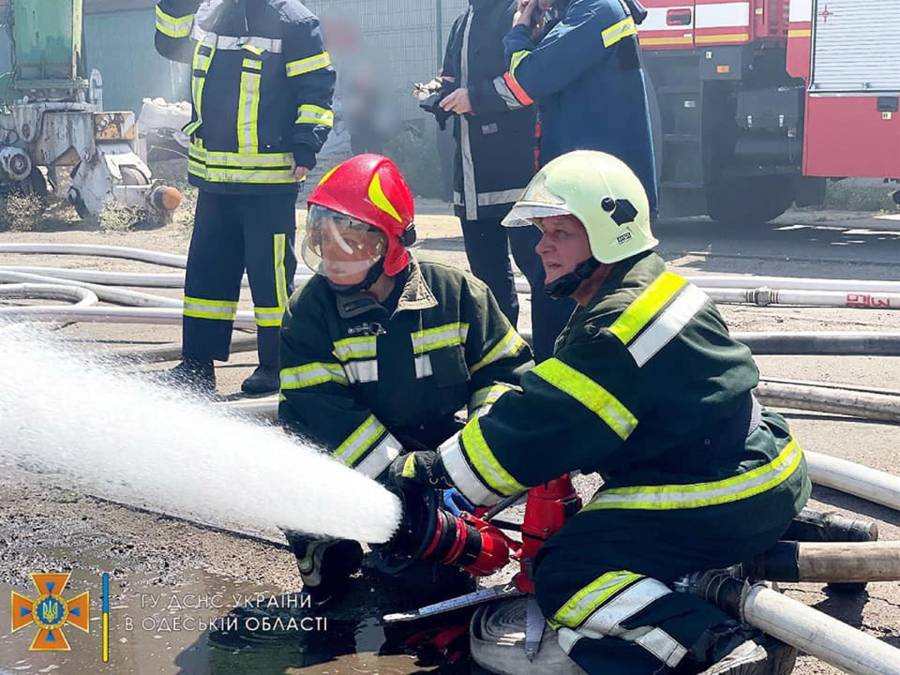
{"x":198,"y":377}
{"x":264,"y":380}
{"x":325,"y":566}
{"x":748,"y":658}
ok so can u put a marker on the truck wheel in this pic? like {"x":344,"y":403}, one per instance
{"x":750,"y":201}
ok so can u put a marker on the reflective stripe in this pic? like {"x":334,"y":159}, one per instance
{"x":516,"y":59}
{"x":248,"y":109}
{"x":313,"y":114}
{"x":464,"y":479}
{"x":381,"y":457}
{"x":355,"y":348}
{"x":619,"y":31}
{"x":280,"y":250}
{"x":517,"y":89}
{"x":308,"y":65}
{"x":668,"y":324}
{"x":510,"y":345}
{"x":699,"y":495}
{"x":258,"y":176}
{"x":200,"y":66}
{"x":423,"y":367}
{"x":483,"y":399}
{"x":492,"y":198}
{"x":447,"y":335}
{"x":599,"y":609}
{"x":359,"y":372}
{"x":268,"y":317}
{"x":642,"y":310}
{"x":237,"y":160}
{"x":360,"y":441}
{"x":482,"y":459}
{"x":174,"y":26}
{"x":567,"y":639}
{"x":311,"y":374}
{"x":581,"y":605}
{"x":230,"y":43}
{"x":468,"y":163}
{"x":588,"y":393}
{"x":504,"y":92}
{"x":199,"y":308}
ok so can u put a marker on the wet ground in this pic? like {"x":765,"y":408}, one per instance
{"x":170,"y":579}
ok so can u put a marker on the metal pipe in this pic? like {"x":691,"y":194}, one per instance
{"x":854,"y":479}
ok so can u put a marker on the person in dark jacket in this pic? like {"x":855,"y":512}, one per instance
{"x":262,"y":87}
{"x":579,"y":60}
{"x":380,"y":351}
{"x":495,"y":137}
{"x":647,"y":388}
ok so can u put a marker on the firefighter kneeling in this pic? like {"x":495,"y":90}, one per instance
{"x":648,"y":389}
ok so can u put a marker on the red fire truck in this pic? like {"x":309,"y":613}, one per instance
{"x":755,"y":103}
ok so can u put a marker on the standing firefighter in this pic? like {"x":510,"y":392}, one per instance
{"x":262,"y":86}
{"x":579,"y":60}
{"x":378,"y":350}
{"x":648,"y":389}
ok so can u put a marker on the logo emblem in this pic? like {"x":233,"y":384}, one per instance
{"x":50,"y":612}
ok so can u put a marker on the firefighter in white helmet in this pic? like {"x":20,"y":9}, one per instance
{"x":648,"y":389}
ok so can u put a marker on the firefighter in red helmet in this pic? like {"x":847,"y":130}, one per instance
{"x":380,"y":351}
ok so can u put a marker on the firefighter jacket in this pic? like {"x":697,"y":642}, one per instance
{"x":647,"y":388}
{"x":367,"y":385}
{"x":495,"y":143}
{"x":262,"y":87}
{"x":585,"y":74}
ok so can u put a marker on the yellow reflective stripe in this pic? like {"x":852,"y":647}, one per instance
{"x":647,"y":305}
{"x":200,"y":62}
{"x":312,"y":374}
{"x":240,"y":160}
{"x":618,"y":31}
{"x":438,"y":337}
{"x":313,"y":114}
{"x":308,"y":65}
{"x":253,"y":49}
{"x":589,"y":394}
{"x":199,"y":308}
{"x":699,"y":495}
{"x":253,"y":64}
{"x":362,"y":439}
{"x":586,"y":601}
{"x":268,"y":316}
{"x":516,"y":59}
{"x":248,"y":112}
{"x":488,"y":395}
{"x":280,"y":246}
{"x":511,"y":344}
{"x":482,"y":459}
{"x":174,"y":26}
{"x":355,"y":348}
{"x":235,"y":175}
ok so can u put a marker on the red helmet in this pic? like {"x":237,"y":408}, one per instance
{"x":370,"y":189}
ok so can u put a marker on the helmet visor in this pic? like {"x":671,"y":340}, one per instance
{"x":339,"y":247}
{"x":539,"y":201}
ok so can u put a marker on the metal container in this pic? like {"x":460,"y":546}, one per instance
{"x":46,"y":42}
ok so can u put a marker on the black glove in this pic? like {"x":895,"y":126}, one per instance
{"x":422,"y":467}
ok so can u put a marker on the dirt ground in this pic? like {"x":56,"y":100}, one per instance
{"x":45,"y":527}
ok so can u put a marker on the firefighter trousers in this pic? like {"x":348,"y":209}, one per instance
{"x":233,"y":233}
{"x":488,"y":244}
{"x":605,"y":582}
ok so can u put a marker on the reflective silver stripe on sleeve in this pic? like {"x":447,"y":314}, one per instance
{"x":461,"y":474}
{"x":668,"y":324}
{"x":381,"y":457}
{"x":567,"y":638}
{"x":662,"y":645}
{"x":505,"y":93}
{"x":360,"y":372}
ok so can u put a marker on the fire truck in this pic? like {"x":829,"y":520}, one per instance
{"x":755,"y":103}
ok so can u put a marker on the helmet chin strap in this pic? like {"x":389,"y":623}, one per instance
{"x":569,"y":283}
{"x":371,"y":277}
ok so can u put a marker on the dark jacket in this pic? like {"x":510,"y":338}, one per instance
{"x":585,"y":74}
{"x":367,"y":384}
{"x":647,"y":388}
{"x":262,"y":87}
{"x":495,"y":143}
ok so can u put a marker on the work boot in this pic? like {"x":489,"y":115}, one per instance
{"x":325,"y":565}
{"x":264,"y":380}
{"x":748,"y":658}
{"x":198,"y":377}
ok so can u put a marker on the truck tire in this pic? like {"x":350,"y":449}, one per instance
{"x":750,"y":201}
